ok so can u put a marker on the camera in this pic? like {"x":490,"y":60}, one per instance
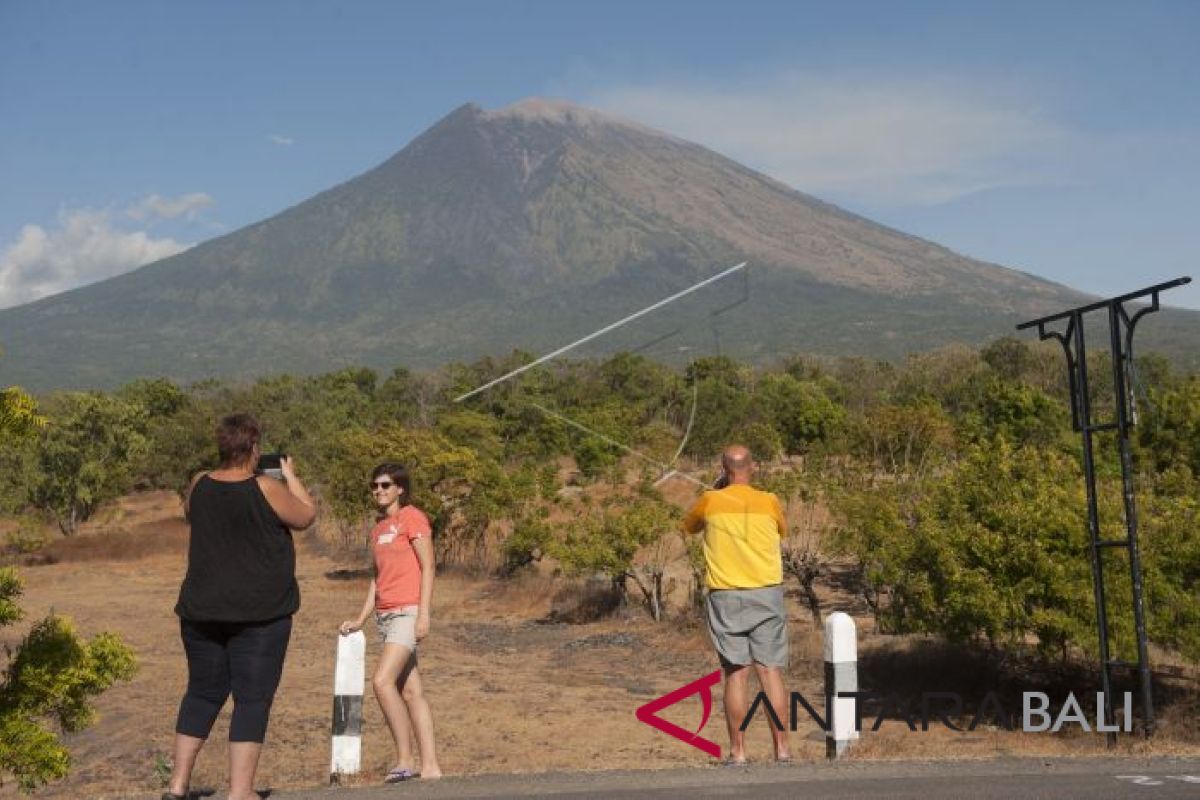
{"x":270,"y":464}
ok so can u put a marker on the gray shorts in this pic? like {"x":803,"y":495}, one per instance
{"x":398,"y":626}
{"x":748,"y":625}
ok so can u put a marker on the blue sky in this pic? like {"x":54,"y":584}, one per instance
{"x":1058,"y":138}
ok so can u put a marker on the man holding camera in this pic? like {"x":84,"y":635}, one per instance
{"x":743,"y":528}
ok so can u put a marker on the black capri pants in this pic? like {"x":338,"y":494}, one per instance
{"x":242,"y":658}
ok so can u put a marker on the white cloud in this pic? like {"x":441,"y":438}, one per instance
{"x":282,"y":140}
{"x":878,"y":140}
{"x":82,"y":248}
{"x":156,"y":206}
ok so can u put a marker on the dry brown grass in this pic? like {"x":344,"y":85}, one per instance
{"x":527,"y":594}
{"x":138,"y":542}
{"x":133,"y":528}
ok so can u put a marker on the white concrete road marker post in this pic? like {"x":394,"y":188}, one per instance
{"x":348,"y":678}
{"x":841,"y":675}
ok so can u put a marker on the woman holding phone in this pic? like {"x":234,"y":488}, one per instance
{"x":400,"y":595}
{"x":237,"y":600}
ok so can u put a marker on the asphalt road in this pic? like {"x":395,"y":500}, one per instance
{"x":1027,"y":779}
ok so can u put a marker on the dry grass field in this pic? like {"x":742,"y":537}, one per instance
{"x":510,"y":690}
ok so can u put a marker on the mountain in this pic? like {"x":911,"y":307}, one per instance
{"x":529,"y":227}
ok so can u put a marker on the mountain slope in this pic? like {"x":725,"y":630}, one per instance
{"x":526,"y":227}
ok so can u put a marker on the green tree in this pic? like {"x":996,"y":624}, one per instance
{"x":1016,"y":411}
{"x":800,"y":411}
{"x":403,"y":397}
{"x":607,"y":538}
{"x":159,"y":397}
{"x":18,"y":415}
{"x":85,"y":456}
{"x":762,"y":438}
{"x":19,"y":420}
{"x":904,"y":439}
{"x":179,"y":434}
{"x":944,"y":375}
{"x":639,"y":382}
{"x":1009,"y":356}
{"x":16,"y":474}
{"x":529,"y":541}
{"x":722,"y":407}
{"x":992,"y":548}
{"x":1170,"y":430}
{"x":1170,"y":551}
{"x":473,"y":429}
{"x":862,"y":383}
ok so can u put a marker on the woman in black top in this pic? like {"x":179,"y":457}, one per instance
{"x":236,"y":603}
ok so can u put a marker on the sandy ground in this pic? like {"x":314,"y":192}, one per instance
{"x":509,"y":692}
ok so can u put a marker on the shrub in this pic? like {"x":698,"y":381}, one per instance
{"x":51,"y":677}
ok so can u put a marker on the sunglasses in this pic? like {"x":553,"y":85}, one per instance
{"x":381,"y":485}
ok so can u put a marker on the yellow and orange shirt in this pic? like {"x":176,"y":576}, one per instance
{"x":743,"y":528}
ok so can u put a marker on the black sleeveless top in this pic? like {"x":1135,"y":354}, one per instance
{"x":241,"y":558}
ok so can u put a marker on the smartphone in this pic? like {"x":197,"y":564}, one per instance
{"x":270,"y":464}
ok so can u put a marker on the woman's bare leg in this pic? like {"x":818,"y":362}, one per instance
{"x":422,"y":720}
{"x":187,"y":748}
{"x":243,"y":763}
{"x":385,"y":682}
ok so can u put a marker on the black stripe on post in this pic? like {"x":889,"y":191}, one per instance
{"x":347,"y":715}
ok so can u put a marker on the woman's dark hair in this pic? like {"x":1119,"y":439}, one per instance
{"x":236,"y":436}
{"x":399,"y":475}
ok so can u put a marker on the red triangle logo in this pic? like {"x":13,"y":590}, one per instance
{"x":702,"y":686}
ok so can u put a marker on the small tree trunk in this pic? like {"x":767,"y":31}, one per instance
{"x":810,"y":595}
{"x":651,"y":589}
{"x":806,"y":567}
{"x":69,"y":523}
{"x":618,"y":584}
{"x":656,"y":579}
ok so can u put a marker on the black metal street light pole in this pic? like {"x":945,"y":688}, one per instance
{"x":1121,"y":327}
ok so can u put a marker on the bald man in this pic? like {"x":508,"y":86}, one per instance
{"x":743,"y":528}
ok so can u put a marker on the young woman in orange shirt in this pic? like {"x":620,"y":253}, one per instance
{"x":400,"y":595}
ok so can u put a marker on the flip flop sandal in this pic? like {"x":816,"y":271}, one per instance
{"x":399,"y":775}
{"x":173,"y":796}
{"x":735,"y":762}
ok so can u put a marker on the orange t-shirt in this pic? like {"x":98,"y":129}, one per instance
{"x":397,"y":570}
